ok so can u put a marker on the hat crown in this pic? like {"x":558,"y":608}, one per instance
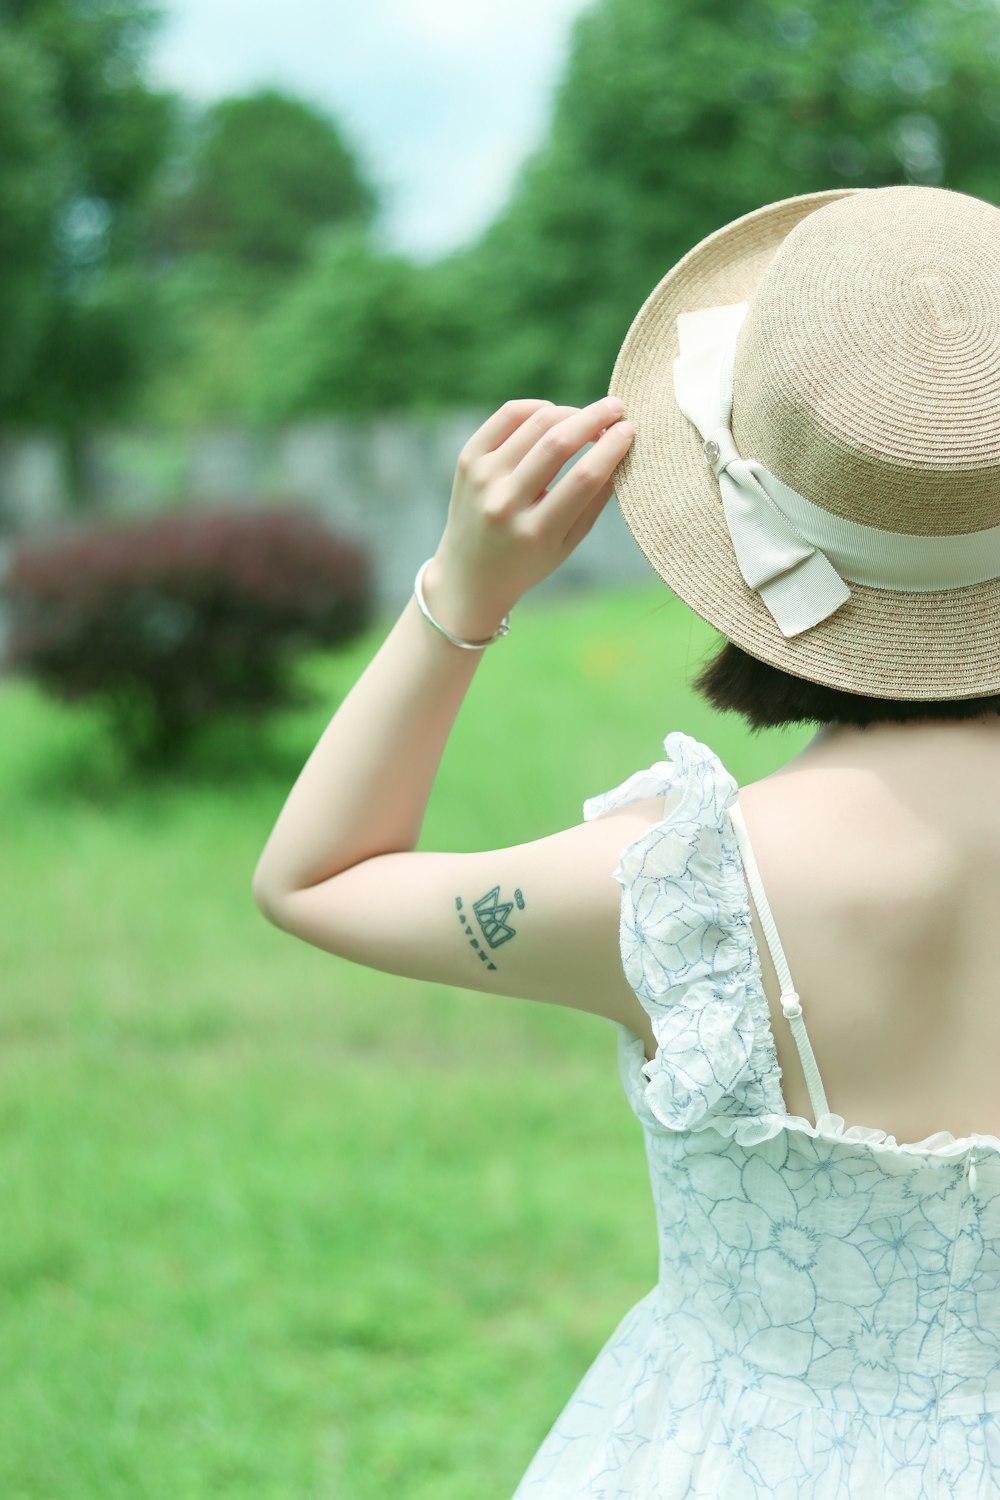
{"x":867,"y":370}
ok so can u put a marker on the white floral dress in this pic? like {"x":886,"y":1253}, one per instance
{"x":826,"y":1322}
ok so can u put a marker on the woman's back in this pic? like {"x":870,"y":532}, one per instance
{"x":879,"y":851}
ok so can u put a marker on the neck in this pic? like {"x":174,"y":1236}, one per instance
{"x":834,"y":741}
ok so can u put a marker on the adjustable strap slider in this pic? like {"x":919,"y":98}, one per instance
{"x":791,"y":1005}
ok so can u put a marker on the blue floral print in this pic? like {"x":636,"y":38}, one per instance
{"x":826,"y":1320}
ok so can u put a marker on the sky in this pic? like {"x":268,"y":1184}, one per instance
{"x":442,"y":99}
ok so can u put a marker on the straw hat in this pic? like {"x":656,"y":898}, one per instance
{"x":815,"y":390}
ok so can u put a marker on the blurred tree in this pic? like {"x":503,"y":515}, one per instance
{"x":673,"y":118}
{"x":258,"y":191}
{"x":81,"y":139}
{"x":211,"y":315}
{"x":257,"y":178}
{"x":358,"y":331}
{"x":670,"y":120}
{"x":31,"y":172}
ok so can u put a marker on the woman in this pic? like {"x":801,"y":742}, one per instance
{"x":814,"y":393}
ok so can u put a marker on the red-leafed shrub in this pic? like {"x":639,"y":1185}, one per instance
{"x":177,"y":620}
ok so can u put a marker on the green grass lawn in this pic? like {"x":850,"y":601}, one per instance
{"x":274,"y":1226}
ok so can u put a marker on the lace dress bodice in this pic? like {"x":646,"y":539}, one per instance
{"x":826,"y":1318}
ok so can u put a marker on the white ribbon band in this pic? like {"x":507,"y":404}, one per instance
{"x":796,"y":555}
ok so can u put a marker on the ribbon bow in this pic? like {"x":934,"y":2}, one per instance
{"x":795,"y":579}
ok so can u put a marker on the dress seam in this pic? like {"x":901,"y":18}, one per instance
{"x":942,"y":1339}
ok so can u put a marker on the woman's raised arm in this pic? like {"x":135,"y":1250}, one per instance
{"x":537,"y":920}
{"x":364,"y":789}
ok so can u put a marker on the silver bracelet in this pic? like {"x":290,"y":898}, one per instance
{"x":502,"y":629}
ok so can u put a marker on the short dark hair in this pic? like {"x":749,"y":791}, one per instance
{"x":769,"y":698}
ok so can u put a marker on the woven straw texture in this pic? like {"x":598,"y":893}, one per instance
{"x":867,"y":377}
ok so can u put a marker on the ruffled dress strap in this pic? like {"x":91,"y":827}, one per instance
{"x":687,"y":945}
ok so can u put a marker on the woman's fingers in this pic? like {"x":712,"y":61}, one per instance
{"x":519,"y":452}
{"x":587,"y":518}
{"x":521,"y":441}
{"x":506,"y":530}
{"x":557,"y":445}
{"x":572,"y":506}
{"x":498,"y":428}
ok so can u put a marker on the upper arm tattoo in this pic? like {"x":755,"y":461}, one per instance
{"x":492,"y":917}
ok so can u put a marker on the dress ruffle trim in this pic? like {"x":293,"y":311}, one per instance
{"x":687,"y":946}
{"x":752,"y":1129}
{"x":688,"y":952}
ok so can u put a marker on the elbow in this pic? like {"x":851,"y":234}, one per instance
{"x":268,"y":899}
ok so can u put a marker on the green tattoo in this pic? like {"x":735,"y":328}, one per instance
{"x":492,"y":918}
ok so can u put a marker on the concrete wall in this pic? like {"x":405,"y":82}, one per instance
{"x":386,"y":482}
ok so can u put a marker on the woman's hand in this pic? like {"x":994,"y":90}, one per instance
{"x":506,"y":530}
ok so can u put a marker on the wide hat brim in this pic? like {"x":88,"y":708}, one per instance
{"x":881,"y":642}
